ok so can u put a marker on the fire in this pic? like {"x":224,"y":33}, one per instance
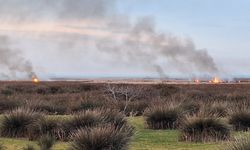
{"x":197,"y":81}
{"x":35,"y":79}
{"x":216,"y":80}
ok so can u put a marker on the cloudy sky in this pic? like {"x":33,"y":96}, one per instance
{"x":95,"y":38}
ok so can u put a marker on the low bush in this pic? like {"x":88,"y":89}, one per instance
{"x":190,"y":108}
{"x":135,"y":108}
{"x":111,"y":116}
{"x":17,"y":122}
{"x":55,"y":89}
{"x":218,"y":110}
{"x":163,"y":117}
{"x":45,"y":126}
{"x":8,"y":105}
{"x":87,"y":105}
{"x":86,"y":87}
{"x":105,"y":137}
{"x":199,"y":129}
{"x":7,"y":92}
{"x":82,"y":120}
{"x":240,"y":120}
{"x":167,"y":90}
{"x":46,"y":142}
{"x":50,"y":109}
{"x":242,"y":143}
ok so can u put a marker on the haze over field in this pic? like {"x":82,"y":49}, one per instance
{"x":98,"y":38}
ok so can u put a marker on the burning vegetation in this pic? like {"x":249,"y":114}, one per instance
{"x":215,"y":80}
{"x":35,"y":79}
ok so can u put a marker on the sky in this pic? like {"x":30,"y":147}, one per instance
{"x":124,"y":38}
{"x":220,"y":26}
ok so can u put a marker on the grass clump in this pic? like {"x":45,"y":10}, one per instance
{"x":82,"y":120}
{"x":29,"y":147}
{"x":219,"y":111}
{"x":240,"y":120}
{"x":50,"y":108}
{"x":45,"y":126}
{"x":8,"y":105}
{"x":17,"y":122}
{"x":46,"y":142}
{"x":134,"y":108}
{"x":242,"y":143}
{"x":190,"y":108}
{"x":107,"y":137}
{"x":111,"y":116}
{"x":199,"y":129}
{"x":2,"y":147}
{"x":87,"y":105}
{"x":163,"y":117}
{"x":93,"y":118}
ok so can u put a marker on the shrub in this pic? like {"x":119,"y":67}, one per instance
{"x":50,"y":108}
{"x":240,"y":120}
{"x":29,"y":147}
{"x":55,"y":90}
{"x":190,"y":108}
{"x":218,"y":110}
{"x":167,"y":90}
{"x":242,"y":143}
{"x":16,"y":124}
{"x":163,"y":117}
{"x":135,"y":108}
{"x":111,"y":116}
{"x":46,"y":142}
{"x":88,"y":105}
{"x":86,"y":87}
{"x":7,"y":92}
{"x":201,"y":129}
{"x":93,"y":118}
{"x":7,"y":105}
{"x":106,"y":137}
{"x":82,"y":120}
{"x":44,"y":126}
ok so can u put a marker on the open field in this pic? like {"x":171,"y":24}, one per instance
{"x":143,"y":140}
{"x":64,"y":100}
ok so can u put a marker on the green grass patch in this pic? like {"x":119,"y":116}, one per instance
{"x":144,"y":139}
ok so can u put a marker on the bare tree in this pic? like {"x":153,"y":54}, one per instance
{"x":123,"y":93}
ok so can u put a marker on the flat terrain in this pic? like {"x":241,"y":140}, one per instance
{"x":144,"y":140}
{"x":66,"y":98}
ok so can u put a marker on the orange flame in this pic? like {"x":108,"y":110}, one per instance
{"x":197,"y":81}
{"x":216,"y":80}
{"x":35,"y":79}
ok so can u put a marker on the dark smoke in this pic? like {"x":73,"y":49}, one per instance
{"x":139,"y":42}
{"x":12,"y":61}
{"x":145,"y":46}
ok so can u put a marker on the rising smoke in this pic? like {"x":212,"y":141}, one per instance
{"x":54,"y":10}
{"x":143,"y":45}
{"x":133,"y":42}
{"x":12,"y":61}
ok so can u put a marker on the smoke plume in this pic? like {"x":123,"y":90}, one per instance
{"x":124,"y":41}
{"x":12,"y":61}
{"x":54,"y":10}
{"x":142,"y":44}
